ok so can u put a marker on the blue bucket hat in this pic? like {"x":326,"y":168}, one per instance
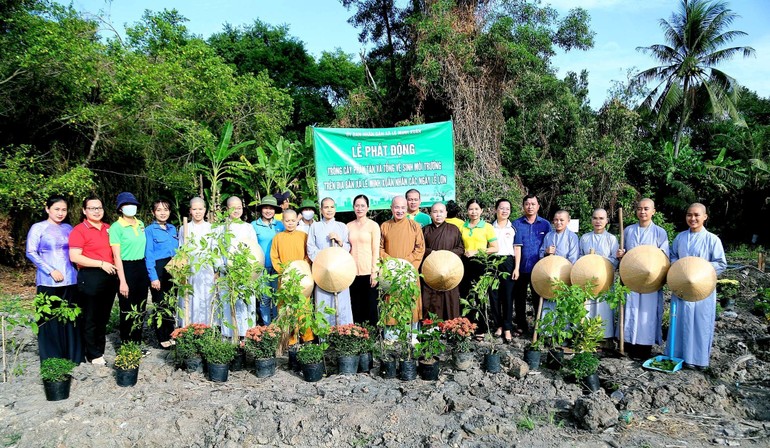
{"x":126,"y":198}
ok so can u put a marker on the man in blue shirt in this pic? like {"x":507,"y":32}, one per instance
{"x":530,"y":232}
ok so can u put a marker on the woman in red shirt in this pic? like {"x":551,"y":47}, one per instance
{"x":90,"y":250}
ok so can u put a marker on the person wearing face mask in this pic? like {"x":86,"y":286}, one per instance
{"x":128,"y":243}
{"x":48,"y":249}
{"x":307,"y":212}
{"x":162,"y":244}
{"x":199,"y":237}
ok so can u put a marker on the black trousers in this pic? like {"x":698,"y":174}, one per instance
{"x":501,"y":299}
{"x":138,"y":282}
{"x":520,"y":300}
{"x":97,"y":294}
{"x":164,"y":305}
{"x":57,"y":339}
{"x":363,"y":301}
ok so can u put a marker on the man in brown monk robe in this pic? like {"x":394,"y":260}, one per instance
{"x":402,"y":238}
{"x":441,"y":235}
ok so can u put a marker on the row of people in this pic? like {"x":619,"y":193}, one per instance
{"x":129,"y":257}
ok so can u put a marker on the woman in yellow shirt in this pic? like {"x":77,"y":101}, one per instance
{"x":478,"y":235}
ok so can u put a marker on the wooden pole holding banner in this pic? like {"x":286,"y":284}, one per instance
{"x":622,"y":312}
{"x":186,"y":318}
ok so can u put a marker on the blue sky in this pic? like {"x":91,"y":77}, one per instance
{"x":620,"y":26}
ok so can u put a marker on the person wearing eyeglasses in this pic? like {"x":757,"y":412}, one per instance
{"x":89,"y":248}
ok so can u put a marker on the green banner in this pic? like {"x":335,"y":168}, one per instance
{"x":383,"y":163}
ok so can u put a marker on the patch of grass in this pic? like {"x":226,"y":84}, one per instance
{"x":526,"y":423}
{"x":362,"y":441}
{"x":744,"y":252}
{"x":11,"y":439}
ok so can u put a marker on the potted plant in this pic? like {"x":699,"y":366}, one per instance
{"x":127,"y":360}
{"x":367,"y":348}
{"x":347,"y":341}
{"x":295,"y":313}
{"x":398,"y":297}
{"x":218,"y":353}
{"x":261,"y":343}
{"x":727,"y":290}
{"x":533,"y":353}
{"x":557,"y":326}
{"x":311,"y":358}
{"x":478,"y":301}
{"x":583,"y":367}
{"x":56,"y":374}
{"x":187,"y":347}
{"x":429,"y":347}
{"x":459,"y":332}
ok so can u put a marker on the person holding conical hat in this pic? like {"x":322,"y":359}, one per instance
{"x":325,"y":233}
{"x":605,"y":244}
{"x":530,"y":231}
{"x":644,"y":312}
{"x":240,"y":232}
{"x":560,"y":241}
{"x":441,"y":235}
{"x":307,"y":212}
{"x":695,"y":320}
{"x":266,"y":226}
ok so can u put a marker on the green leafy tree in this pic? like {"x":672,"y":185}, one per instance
{"x":696,"y":38}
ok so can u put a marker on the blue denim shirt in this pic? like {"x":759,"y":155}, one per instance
{"x":161,"y":243}
{"x":530,"y":237}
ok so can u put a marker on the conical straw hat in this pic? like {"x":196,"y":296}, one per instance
{"x":643,"y":269}
{"x":692,"y":279}
{"x":443,"y":270}
{"x":334,"y":269}
{"x":550,"y":268}
{"x":593,"y":268}
{"x":306,"y":276}
{"x":396,"y":263}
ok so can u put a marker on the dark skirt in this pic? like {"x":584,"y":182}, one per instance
{"x":363,"y":301}
{"x":56,"y":339}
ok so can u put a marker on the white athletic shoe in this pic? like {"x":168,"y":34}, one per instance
{"x":99,"y":361}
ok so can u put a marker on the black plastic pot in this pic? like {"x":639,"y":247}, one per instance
{"x":462,"y":360}
{"x":294,"y":364}
{"x":347,"y":364}
{"x":218,"y":372}
{"x":492,"y":362}
{"x":126,"y":377}
{"x":264,"y":368}
{"x":365,"y":362}
{"x":592,"y":382}
{"x":193,"y":365}
{"x":313,"y":372}
{"x":57,"y":390}
{"x":555,"y":358}
{"x":388,"y":368}
{"x":408,"y":369}
{"x":238,"y":363}
{"x":532,"y":358}
{"x":429,"y":370}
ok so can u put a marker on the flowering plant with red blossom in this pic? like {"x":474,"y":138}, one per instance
{"x":429,"y":344}
{"x":348,"y":340}
{"x":188,"y":340}
{"x":459,"y":332}
{"x":262,"y":341}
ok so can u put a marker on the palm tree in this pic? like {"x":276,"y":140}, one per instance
{"x":695,"y":36}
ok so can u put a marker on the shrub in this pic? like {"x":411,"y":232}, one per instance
{"x":129,"y":356}
{"x":56,"y":369}
{"x":311,"y":354}
{"x":217,"y":351}
{"x":582,"y":365}
{"x":262,"y":341}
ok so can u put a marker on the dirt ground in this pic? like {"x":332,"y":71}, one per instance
{"x":729,"y":404}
